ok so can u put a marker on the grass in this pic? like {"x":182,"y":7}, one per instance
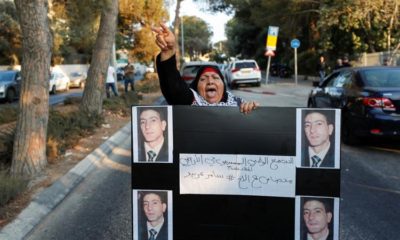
{"x":10,"y":187}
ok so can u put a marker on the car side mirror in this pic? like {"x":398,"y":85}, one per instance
{"x":315,"y":83}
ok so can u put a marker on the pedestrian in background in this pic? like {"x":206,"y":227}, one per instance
{"x":321,"y":68}
{"x":346,"y":62}
{"x":339,"y":64}
{"x":129,"y":74}
{"x":110,"y":81}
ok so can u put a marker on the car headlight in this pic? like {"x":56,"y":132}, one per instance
{"x":2,"y":88}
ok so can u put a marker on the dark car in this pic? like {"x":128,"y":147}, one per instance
{"x":10,"y":85}
{"x":280,"y":70}
{"x":369,"y":98}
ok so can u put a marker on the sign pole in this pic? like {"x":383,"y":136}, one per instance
{"x":295,"y":43}
{"x":267,"y":73}
{"x":295,"y":65}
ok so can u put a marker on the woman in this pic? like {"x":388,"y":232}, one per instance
{"x":207,"y":89}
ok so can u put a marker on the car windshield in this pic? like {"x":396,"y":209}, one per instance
{"x":382,"y":78}
{"x":6,"y":76}
{"x":245,"y":65}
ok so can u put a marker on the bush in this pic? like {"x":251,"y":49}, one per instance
{"x":149,"y":84}
{"x":6,"y":147}
{"x":10,"y":187}
{"x":65,"y":129}
{"x":8,"y":114}
{"x":121,"y":104}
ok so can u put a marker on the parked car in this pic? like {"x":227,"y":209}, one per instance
{"x":59,"y":81}
{"x":10,"y":85}
{"x":189,"y":70}
{"x":369,"y":98}
{"x":77,"y":79}
{"x":243,"y":71}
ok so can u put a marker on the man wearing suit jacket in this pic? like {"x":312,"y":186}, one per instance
{"x":155,"y":227}
{"x":318,"y":219}
{"x":154,"y":144}
{"x":318,"y":129}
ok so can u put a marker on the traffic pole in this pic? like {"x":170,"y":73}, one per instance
{"x":295,"y":65}
{"x":267,"y":73}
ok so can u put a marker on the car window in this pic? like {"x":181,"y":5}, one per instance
{"x":342,"y":79}
{"x":190,"y":70}
{"x":241,"y":65}
{"x":330,"y":80}
{"x":393,"y":79}
{"x":381,"y":78}
{"x":6,"y":76}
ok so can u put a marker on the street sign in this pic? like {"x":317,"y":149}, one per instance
{"x":269,"y":53}
{"x":272,"y":38}
{"x":295,"y":43}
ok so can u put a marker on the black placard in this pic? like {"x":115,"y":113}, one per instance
{"x":224,"y":130}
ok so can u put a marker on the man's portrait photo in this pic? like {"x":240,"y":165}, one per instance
{"x":317,"y":218}
{"x":152,"y":215}
{"x":319,"y":130}
{"x":152,"y":140}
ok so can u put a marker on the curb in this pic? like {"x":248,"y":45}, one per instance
{"x":42,"y":204}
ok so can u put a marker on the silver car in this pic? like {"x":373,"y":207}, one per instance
{"x":10,"y":85}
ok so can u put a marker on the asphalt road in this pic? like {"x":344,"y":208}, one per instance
{"x":100,"y":207}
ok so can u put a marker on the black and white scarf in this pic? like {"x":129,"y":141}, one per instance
{"x":230,"y":101}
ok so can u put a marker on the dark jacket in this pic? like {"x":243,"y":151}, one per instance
{"x":162,"y":235}
{"x":328,"y":161}
{"x":162,"y":155}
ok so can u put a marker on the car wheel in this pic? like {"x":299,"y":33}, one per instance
{"x":258,"y":84}
{"x":10,"y":95}
{"x":53,"y":89}
{"x":232,"y":85}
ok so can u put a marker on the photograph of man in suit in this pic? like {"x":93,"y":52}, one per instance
{"x":319,"y":147}
{"x":154,"y":225}
{"x":153,"y":140}
{"x":317,"y":219}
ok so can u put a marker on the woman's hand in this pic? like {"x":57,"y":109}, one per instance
{"x":247,"y":107}
{"x":165,"y":40}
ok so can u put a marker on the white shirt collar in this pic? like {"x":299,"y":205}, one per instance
{"x":157,"y":228}
{"x":156,"y":149}
{"x":321,"y":154}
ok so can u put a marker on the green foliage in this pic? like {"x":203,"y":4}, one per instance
{"x":10,"y":186}
{"x":10,"y":34}
{"x":197,"y":36}
{"x":67,"y":128}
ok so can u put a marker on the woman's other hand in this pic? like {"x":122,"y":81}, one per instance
{"x":165,"y":40}
{"x":247,"y":107}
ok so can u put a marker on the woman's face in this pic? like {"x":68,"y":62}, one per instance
{"x":210,"y":87}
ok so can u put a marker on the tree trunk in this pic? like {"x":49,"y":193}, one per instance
{"x":92,"y":100}
{"x":29,"y":153}
{"x":177,"y":22}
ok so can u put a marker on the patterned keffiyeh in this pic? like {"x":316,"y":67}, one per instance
{"x":231,"y":100}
